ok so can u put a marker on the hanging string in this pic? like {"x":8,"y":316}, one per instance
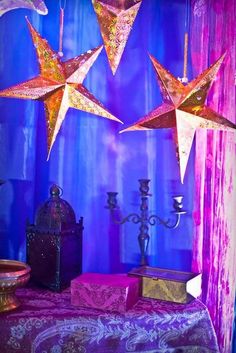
{"x":62,"y":8}
{"x":185,"y":56}
{"x":184,"y":79}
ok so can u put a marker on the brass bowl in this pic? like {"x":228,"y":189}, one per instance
{"x":13,"y":274}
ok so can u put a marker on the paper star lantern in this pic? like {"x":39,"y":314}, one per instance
{"x":184,"y":108}
{"x":115,"y":19}
{"x":59,"y":86}
{"x":37,"y":5}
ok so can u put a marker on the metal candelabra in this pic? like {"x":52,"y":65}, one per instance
{"x":144,"y":218}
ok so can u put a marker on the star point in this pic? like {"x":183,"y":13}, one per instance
{"x":115,"y":19}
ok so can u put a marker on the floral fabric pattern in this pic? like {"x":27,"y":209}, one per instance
{"x":46,"y":322}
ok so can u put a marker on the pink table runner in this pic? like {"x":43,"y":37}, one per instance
{"x":47,"y":323}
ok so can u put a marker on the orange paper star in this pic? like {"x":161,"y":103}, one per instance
{"x":184,"y":108}
{"x":59,"y":86}
{"x":116,"y":19}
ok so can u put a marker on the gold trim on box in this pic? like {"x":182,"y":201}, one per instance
{"x":169,"y":285}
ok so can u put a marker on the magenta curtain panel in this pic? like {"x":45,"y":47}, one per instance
{"x":213,"y":33}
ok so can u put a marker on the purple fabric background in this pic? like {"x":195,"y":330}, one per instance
{"x":47,"y":322}
{"x":90,"y":157}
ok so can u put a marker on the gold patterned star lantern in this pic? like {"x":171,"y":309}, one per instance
{"x":184,"y":108}
{"x":116,"y":18}
{"x":37,"y":5}
{"x":59,"y":86}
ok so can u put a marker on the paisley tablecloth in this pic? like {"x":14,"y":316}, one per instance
{"x":46,"y":322}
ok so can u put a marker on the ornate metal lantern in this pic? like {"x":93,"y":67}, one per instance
{"x":54,"y":243}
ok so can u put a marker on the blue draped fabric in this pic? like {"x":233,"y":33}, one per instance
{"x":90,"y":157}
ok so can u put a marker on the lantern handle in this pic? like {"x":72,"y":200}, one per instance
{"x":56,"y":190}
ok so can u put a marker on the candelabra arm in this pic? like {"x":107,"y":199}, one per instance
{"x":144,"y":219}
{"x":133,"y":217}
{"x":153,"y":220}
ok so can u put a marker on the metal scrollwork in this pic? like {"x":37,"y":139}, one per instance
{"x":144,"y":219}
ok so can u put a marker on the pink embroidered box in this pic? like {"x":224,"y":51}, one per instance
{"x":116,"y":292}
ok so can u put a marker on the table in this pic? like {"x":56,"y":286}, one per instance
{"x":46,"y":322}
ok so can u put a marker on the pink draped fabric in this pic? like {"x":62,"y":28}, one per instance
{"x":214,"y":245}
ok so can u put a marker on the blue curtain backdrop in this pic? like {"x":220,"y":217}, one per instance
{"x":90,"y":157}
